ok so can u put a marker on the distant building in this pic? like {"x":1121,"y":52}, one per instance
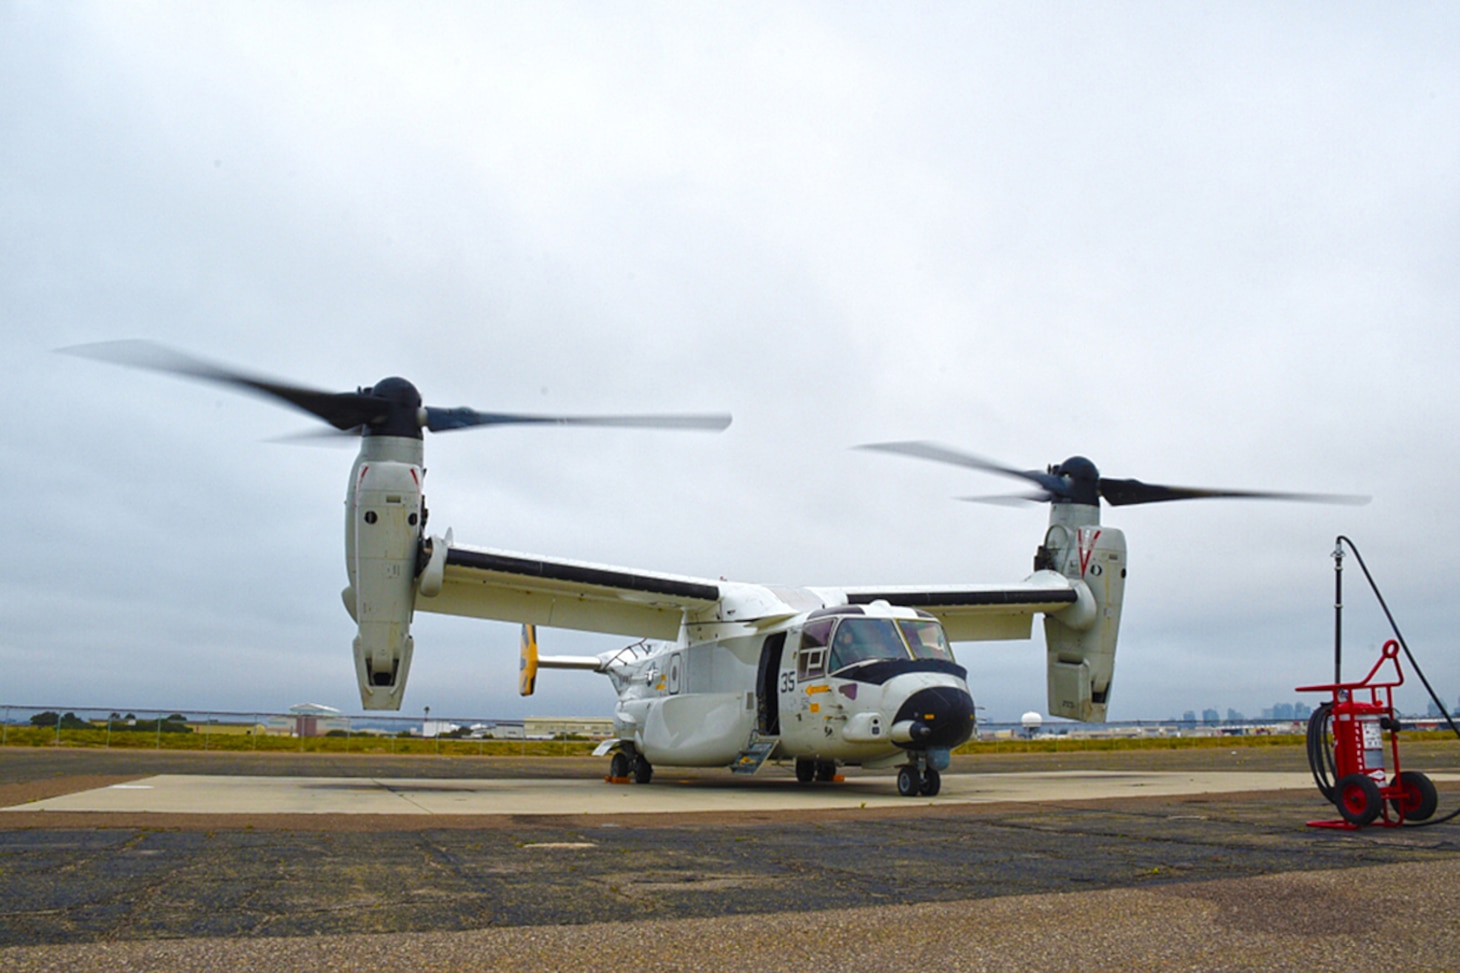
{"x":594,"y":728}
{"x":1234,"y":717}
{"x":506,"y":731}
{"x":313,"y":719}
{"x":438,"y":728}
{"x":1210,"y":717}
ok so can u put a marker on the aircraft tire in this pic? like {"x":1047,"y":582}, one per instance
{"x":643,"y":771}
{"x":619,"y":765}
{"x":826,"y":770}
{"x":909,"y":781}
{"x":805,"y":770}
{"x":932,"y":782}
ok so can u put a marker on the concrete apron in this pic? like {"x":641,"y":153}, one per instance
{"x":670,"y":792}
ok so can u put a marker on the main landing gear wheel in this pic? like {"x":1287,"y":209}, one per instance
{"x":826,"y":771}
{"x":805,"y":770}
{"x":909,"y":781}
{"x":643,"y":771}
{"x":1358,"y":800}
{"x":932,"y":782}
{"x":619,"y":766}
{"x":1417,"y":797}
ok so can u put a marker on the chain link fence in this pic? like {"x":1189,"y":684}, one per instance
{"x":304,"y":730}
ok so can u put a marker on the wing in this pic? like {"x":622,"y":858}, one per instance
{"x":971,"y":613}
{"x":557,"y":593}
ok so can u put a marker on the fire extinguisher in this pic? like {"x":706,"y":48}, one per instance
{"x":1346,"y":735}
{"x":1346,"y":749}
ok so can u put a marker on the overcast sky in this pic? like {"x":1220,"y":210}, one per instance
{"x":1207,"y":245}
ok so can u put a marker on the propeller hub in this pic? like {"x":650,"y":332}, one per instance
{"x":400,"y":415}
{"x":1081,"y":482}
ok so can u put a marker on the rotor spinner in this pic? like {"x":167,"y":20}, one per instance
{"x":401,"y":414}
{"x":1078,"y":482}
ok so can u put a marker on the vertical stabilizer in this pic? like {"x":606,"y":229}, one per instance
{"x":527,"y":662}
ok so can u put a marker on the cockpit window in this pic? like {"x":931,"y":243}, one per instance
{"x":862,"y":639}
{"x":816,"y":633}
{"x":811,"y":657}
{"x":811,"y":663}
{"x":926,"y":639}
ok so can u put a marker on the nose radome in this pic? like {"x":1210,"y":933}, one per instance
{"x":942,"y":717}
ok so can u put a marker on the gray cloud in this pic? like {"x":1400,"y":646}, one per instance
{"x":1209,"y":245}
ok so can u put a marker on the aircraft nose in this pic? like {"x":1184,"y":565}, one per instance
{"x":941,"y":716}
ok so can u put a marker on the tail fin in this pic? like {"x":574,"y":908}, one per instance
{"x":530,"y":662}
{"x":527,"y":663}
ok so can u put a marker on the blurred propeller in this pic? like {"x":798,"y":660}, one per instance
{"x":342,"y":410}
{"x":440,"y":420}
{"x":1077,"y":480}
{"x":392,"y":407}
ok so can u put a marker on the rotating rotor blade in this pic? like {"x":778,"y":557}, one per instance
{"x":942,"y":454}
{"x":319,"y":437}
{"x":443,"y":420}
{"x":343,"y":410}
{"x":1077,"y":480}
{"x":390,"y":407}
{"x":1120,"y":493}
{"x":1010,"y":499}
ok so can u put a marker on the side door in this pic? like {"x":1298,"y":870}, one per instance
{"x":767,"y":685}
{"x":804,"y":664}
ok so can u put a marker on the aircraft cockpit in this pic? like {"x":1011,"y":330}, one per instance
{"x":837,"y":642}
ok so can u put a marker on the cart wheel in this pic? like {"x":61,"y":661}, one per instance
{"x":805,"y":770}
{"x":932,"y":783}
{"x":619,"y":765}
{"x":909,"y":781}
{"x":1417,"y":797}
{"x":1358,"y":800}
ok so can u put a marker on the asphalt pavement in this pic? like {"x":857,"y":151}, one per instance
{"x":76,"y":890}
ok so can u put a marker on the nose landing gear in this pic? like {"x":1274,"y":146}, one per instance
{"x":920,"y":778}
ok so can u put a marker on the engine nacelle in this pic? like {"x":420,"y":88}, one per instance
{"x":1080,"y":640}
{"x":382,"y":538}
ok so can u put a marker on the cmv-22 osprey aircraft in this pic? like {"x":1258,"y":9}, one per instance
{"x":723,"y":674}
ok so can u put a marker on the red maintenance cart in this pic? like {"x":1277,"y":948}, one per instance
{"x":1346,"y":751}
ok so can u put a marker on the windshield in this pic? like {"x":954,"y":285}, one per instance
{"x":863,"y":639}
{"x":925,"y":638}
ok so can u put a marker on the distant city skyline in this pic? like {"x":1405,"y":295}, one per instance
{"x":1280,"y":712}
